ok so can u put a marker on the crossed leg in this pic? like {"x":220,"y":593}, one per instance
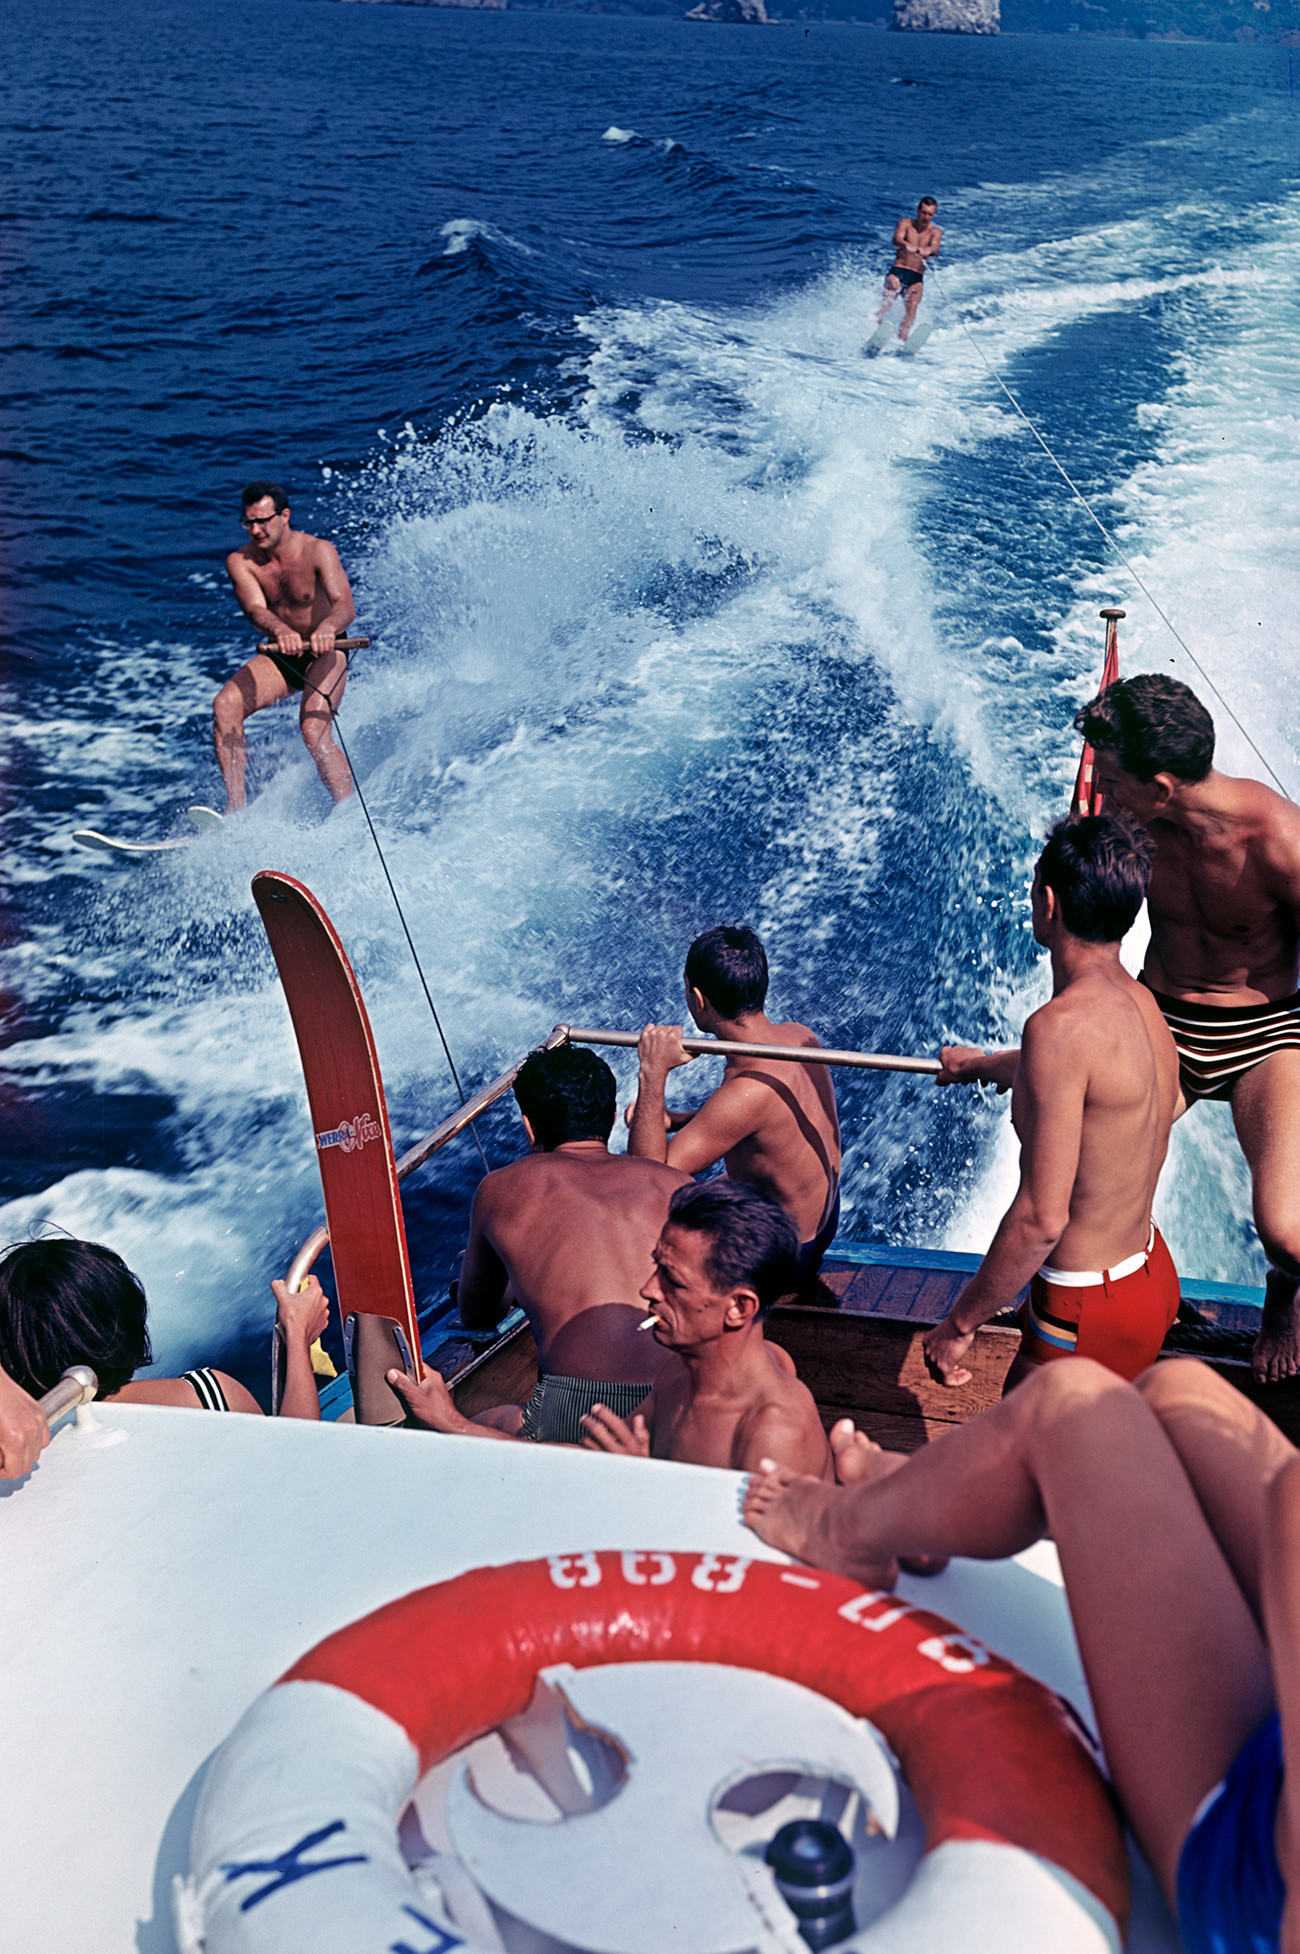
{"x":1266,"y":1113}
{"x":1176,"y":1665}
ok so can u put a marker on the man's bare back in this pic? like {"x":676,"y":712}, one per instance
{"x":1104,"y":1032}
{"x":1095,"y":1086}
{"x":775,"y":1125}
{"x":570,"y":1232}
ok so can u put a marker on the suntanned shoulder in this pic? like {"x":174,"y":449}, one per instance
{"x":786,"y":1428}
{"x":1065,"y":1020}
{"x":1277,"y":829}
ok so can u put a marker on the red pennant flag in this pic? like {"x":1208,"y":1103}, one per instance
{"x":1087,"y":795}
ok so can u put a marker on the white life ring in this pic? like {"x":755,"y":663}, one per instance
{"x":294,"y":1844}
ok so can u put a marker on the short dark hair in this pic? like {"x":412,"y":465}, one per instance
{"x":928,"y":200}
{"x":1153,"y":724}
{"x":1099,"y":869}
{"x":66,"y":1302}
{"x":729,"y":965}
{"x":258,"y":492}
{"x":566,"y":1094}
{"x":752,"y":1242}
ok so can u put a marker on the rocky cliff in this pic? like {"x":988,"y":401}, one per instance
{"x":946,"y":16}
{"x":749,"y":13}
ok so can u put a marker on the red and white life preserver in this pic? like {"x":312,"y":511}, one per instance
{"x":294,"y":1843}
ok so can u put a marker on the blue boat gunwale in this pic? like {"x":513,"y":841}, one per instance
{"x":336,"y":1397}
{"x":956,"y":1261}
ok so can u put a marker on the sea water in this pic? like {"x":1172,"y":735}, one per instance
{"x":681,"y":611}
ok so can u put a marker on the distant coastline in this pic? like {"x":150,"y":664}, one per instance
{"x":1246,"y":22}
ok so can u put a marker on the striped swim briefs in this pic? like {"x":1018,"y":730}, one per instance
{"x":1219,"y":1043}
{"x":553,"y":1415}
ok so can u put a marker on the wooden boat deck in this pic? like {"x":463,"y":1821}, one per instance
{"x":856,"y":1342}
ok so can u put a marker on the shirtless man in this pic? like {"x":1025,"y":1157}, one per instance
{"x":566,"y":1233}
{"x":773,"y":1123}
{"x":1094,"y":1083}
{"x":1224,"y":958}
{"x":915,"y":239}
{"x":291,"y":587}
{"x":725,"y":1255}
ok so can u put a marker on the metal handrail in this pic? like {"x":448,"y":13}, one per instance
{"x":77,"y":1386}
{"x":564,"y":1034}
{"x":791,"y":1054}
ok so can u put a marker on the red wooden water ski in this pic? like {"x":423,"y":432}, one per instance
{"x":1087,"y":796}
{"x":354,"y":1145}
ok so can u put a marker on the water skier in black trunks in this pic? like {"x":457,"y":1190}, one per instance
{"x":915,"y":239}
{"x":1224,"y":957}
{"x":291,"y":587}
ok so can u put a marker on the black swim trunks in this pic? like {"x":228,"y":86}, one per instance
{"x":293,"y":667}
{"x":1219,"y":1043}
{"x":811,"y":1253}
{"x":905,"y":277}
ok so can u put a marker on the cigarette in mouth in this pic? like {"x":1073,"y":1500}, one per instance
{"x":648,"y":1324}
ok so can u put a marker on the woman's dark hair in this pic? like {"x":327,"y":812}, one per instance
{"x":1153,"y":724}
{"x":567,"y":1094}
{"x":1099,"y":869}
{"x":729,"y":965}
{"x":752,"y":1242}
{"x":258,"y":491}
{"x":64,"y":1302}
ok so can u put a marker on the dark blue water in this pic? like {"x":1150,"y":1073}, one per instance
{"x":680,"y":611}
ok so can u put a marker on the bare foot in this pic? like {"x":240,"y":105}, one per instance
{"x":858,"y":1457}
{"x":806,"y":1518}
{"x":1276,"y":1355}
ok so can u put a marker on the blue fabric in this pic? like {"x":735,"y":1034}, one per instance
{"x":1230,"y":1890}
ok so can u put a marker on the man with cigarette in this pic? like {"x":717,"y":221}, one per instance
{"x":726,"y":1397}
{"x":725,"y":1255}
{"x":567,"y":1234}
{"x":774,"y":1123}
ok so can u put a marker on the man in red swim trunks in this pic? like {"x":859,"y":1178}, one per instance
{"x":1224,"y":958}
{"x":1094,"y":1084}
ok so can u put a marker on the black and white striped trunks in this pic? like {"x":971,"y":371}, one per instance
{"x":1219,"y":1043}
